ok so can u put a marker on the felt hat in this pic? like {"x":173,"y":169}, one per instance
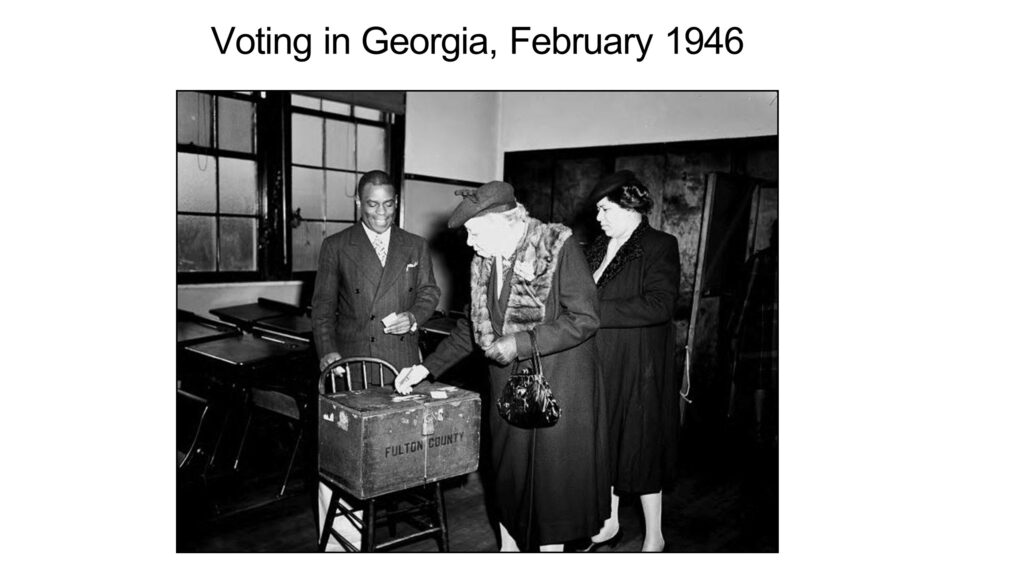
{"x":495,"y":196}
{"x":611,"y":183}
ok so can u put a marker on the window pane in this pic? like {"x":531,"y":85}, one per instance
{"x":308,"y":192}
{"x":194,"y":118}
{"x":334,"y":227}
{"x":306,"y":240}
{"x":305,"y":102}
{"x":341,"y":193}
{"x":367,"y":113}
{"x":234,"y":124}
{"x":307,"y":140}
{"x":237,"y":243}
{"x":337,"y":107}
{"x":237,"y":186}
{"x":341,"y":145}
{"x":195,"y":243}
{"x":370,"y":148}
{"x":196,"y":183}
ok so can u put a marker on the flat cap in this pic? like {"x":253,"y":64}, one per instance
{"x":611,"y":183}
{"x":495,"y":196}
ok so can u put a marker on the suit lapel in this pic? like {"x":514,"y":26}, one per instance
{"x":362,"y":253}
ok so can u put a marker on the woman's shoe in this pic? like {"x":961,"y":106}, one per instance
{"x":611,"y":543}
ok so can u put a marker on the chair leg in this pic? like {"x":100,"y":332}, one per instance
{"x":291,"y":462}
{"x":442,"y":518}
{"x":241,"y":444}
{"x":369,"y":523}
{"x":332,"y":511}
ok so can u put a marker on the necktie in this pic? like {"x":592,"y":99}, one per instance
{"x":378,"y":247}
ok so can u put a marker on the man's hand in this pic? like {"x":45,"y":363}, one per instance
{"x":326,"y":360}
{"x":410,"y":377}
{"x":503,"y":350}
{"x":405,"y":322}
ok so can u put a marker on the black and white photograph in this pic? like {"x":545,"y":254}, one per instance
{"x":477,"y":321}
{"x":452,"y":279}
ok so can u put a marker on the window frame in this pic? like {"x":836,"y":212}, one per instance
{"x":272,"y":143}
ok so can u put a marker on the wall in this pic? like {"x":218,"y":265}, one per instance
{"x":543,"y":120}
{"x":448,"y":135}
{"x":452,"y":135}
{"x":200,"y":298}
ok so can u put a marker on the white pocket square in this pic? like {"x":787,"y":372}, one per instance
{"x":413,"y":265}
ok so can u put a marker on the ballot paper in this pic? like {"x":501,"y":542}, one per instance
{"x":438,"y":394}
{"x":388,"y":320}
{"x":407,"y":398}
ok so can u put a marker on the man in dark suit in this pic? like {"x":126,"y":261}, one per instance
{"x":374,"y":285}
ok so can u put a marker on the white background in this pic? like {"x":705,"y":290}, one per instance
{"x":900,"y":128}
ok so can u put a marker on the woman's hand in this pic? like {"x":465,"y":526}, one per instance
{"x":503,"y":350}
{"x":410,"y":377}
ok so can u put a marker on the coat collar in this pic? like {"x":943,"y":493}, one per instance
{"x":631,"y":250}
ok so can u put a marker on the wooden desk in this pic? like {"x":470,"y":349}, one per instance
{"x":232,"y":367}
{"x":196,"y":330}
{"x":298,"y":327}
{"x":248,"y":352}
{"x":245,"y":315}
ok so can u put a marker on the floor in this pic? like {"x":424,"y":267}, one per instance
{"x":726,"y":500}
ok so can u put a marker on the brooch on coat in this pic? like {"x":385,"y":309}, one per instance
{"x":524,"y":270}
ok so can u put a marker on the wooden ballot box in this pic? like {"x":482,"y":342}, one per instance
{"x":374,"y":441}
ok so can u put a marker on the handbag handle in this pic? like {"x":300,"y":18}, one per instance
{"x":538,"y":368}
{"x":536,"y":354}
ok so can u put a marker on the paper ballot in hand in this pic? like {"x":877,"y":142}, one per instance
{"x":388,"y":320}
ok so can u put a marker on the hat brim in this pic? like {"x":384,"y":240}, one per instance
{"x":467,"y":210}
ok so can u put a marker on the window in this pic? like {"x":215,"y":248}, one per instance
{"x":332,"y":146}
{"x":264,"y":177}
{"x":217,"y":183}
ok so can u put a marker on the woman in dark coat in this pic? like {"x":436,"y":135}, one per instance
{"x":551,"y":484}
{"x":637,"y":272}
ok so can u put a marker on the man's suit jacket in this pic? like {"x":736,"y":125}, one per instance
{"x":353,"y":293}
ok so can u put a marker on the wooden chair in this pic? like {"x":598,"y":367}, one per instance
{"x":287,"y":406}
{"x":407,"y":505}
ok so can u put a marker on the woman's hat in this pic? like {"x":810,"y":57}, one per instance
{"x":611,"y":183}
{"x":495,"y":196}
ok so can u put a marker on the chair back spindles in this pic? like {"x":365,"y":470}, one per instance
{"x":348,"y":364}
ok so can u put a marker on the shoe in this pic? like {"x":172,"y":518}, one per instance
{"x":611,"y":543}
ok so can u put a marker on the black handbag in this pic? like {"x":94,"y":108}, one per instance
{"x":527,"y":400}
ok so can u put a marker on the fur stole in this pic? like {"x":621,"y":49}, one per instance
{"x":533,"y":266}
{"x":631,"y":250}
